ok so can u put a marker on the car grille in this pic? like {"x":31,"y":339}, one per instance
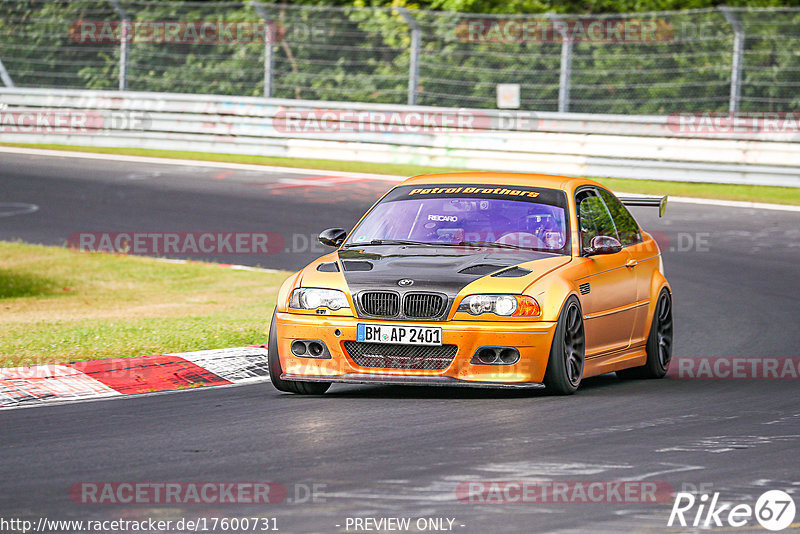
{"x":391,"y":356}
{"x":424,"y":305}
{"x":415,"y":305}
{"x":380,"y":303}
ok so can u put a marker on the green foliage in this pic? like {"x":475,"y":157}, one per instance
{"x":587,"y":6}
{"x":361,"y":53}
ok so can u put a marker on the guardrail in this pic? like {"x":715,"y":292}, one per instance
{"x":692,"y":148}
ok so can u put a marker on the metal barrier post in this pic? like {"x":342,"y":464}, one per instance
{"x":565,"y":75}
{"x":123,"y":44}
{"x":4,"y":76}
{"x":413,"y":64}
{"x":269,"y":36}
{"x":738,"y":55}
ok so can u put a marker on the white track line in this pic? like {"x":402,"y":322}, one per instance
{"x":223,"y":265}
{"x":317,"y":172}
{"x":734,"y":204}
{"x":195,"y":163}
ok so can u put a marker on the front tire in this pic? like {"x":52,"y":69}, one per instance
{"x":275,"y":371}
{"x":659,"y":342}
{"x":568,"y":351}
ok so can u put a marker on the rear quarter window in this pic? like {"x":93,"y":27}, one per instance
{"x":627,"y":228}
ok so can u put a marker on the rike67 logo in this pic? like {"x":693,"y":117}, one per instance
{"x":774,"y":510}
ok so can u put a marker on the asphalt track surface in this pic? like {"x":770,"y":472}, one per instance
{"x":402,"y":452}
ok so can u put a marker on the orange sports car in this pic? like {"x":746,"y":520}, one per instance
{"x":483,"y":280}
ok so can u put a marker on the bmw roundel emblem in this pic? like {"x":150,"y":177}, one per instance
{"x":405,"y":282}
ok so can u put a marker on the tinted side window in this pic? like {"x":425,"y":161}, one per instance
{"x":593,"y":217}
{"x":626,"y":225}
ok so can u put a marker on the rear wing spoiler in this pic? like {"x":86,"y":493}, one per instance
{"x":660,"y":202}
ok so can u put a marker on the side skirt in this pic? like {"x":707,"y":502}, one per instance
{"x":633,"y":357}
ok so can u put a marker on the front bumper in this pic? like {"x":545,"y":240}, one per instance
{"x":532,"y":339}
{"x":406,"y":380}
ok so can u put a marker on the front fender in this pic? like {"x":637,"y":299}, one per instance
{"x":282,"y":302}
{"x":551,"y":293}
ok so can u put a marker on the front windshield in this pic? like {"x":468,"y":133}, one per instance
{"x":458,"y":214}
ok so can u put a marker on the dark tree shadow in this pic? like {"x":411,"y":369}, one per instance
{"x":14,"y":284}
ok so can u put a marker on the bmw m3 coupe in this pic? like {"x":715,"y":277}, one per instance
{"x":482,"y":280}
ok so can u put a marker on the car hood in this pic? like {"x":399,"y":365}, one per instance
{"x":443,"y":269}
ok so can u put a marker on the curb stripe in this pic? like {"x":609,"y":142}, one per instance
{"x":145,"y":374}
{"x":115,"y":377}
{"x":240,"y":364}
{"x":35,"y":385}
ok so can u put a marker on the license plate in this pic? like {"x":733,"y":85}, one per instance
{"x":399,"y":334}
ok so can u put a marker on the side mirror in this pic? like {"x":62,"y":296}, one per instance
{"x":603,"y":244}
{"x":332,"y":237}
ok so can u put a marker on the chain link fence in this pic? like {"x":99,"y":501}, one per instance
{"x":644,"y":63}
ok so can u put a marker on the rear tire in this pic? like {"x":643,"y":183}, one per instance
{"x":659,"y":342}
{"x":568,"y":351}
{"x":275,"y":371}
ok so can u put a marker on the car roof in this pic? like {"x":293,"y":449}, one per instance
{"x":566,"y":183}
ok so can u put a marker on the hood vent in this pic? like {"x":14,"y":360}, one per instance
{"x":482,"y":269}
{"x":331,"y":267}
{"x":356,"y":265}
{"x":513,"y":272}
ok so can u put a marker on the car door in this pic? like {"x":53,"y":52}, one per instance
{"x":608,"y":287}
{"x":643,"y":262}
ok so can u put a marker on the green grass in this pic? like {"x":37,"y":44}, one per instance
{"x":749,"y":193}
{"x":60,"y":305}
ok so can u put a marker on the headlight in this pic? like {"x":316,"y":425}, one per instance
{"x":503,"y":305}
{"x":307,"y":298}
